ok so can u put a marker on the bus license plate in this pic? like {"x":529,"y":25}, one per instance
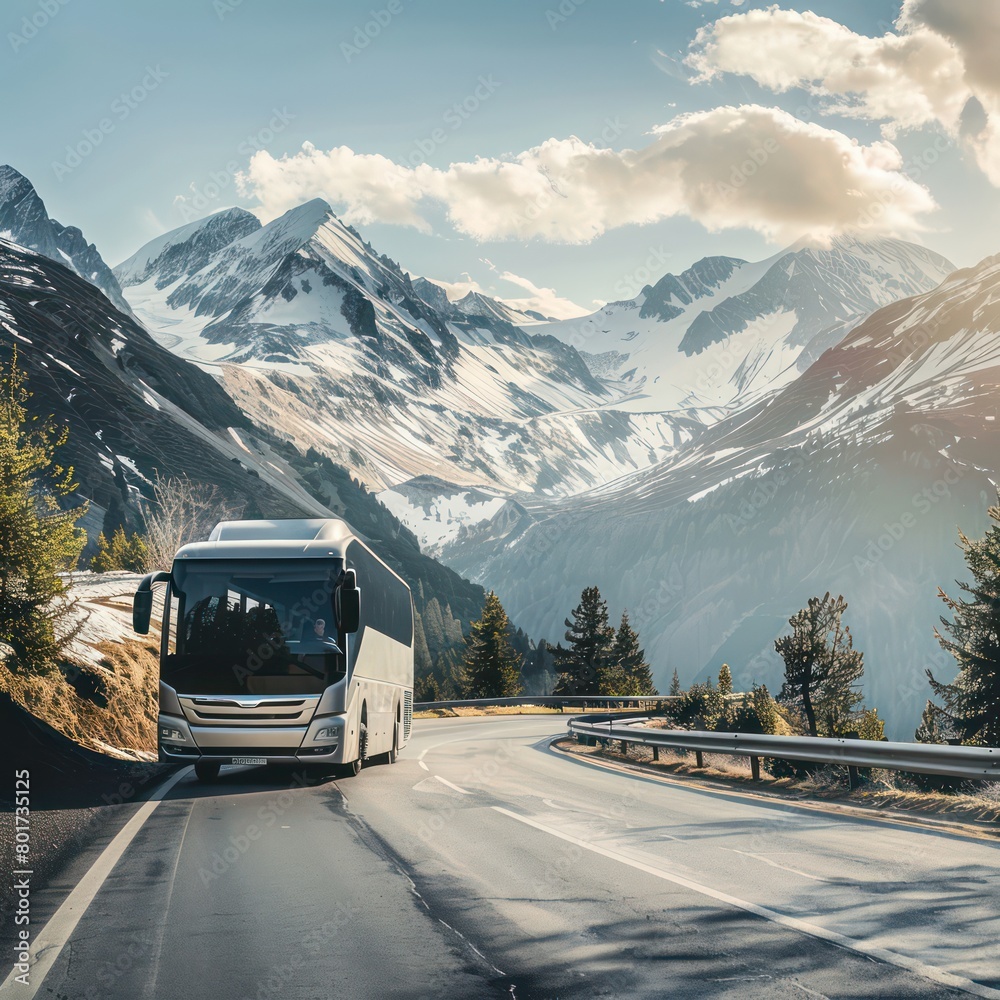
{"x":249,"y":760}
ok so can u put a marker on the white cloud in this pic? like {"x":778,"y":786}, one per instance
{"x":938,"y":67}
{"x":543,"y":300}
{"x":748,"y":166}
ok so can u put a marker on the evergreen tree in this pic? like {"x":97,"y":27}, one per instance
{"x":590,"y":638}
{"x":934,"y":728}
{"x":971,"y":703}
{"x":492,"y":667}
{"x":122,"y":552}
{"x":630,"y":659}
{"x":765,"y":709}
{"x":675,"y":684}
{"x":725,"y":680}
{"x":38,"y":539}
{"x":821,"y":665}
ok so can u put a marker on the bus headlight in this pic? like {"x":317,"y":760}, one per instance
{"x":328,"y":733}
{"x":172,"y":735}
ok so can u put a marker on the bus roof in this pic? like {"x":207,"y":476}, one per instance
{"x":288,"y":538}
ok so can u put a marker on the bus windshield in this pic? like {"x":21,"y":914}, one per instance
{"x":246,"y":627}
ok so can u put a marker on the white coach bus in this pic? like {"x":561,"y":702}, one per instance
{"x":285,"y":641}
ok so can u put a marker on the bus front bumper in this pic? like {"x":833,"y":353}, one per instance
{"x":321,"y":742}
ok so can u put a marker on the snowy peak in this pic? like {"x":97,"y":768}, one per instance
{"x":668,"y":297}
{"x":183,"y":251}
{"x":725,"y":332}
{"x":830,"y":289}
{"x":24,"y":220}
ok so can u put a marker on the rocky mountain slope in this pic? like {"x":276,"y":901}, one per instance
{"x":854,"y":478}
{"x":134,"y":409}
{"x":24,"y":220}
{"x":725,"y":331}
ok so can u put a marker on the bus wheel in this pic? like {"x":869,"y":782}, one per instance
{"x":207,"y":770}
{"x":393,"y":755}
{"x":353,"y":769}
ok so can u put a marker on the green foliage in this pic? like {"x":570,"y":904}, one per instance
{"x":701,"y":707}
{"x":626,"y":672}
{"x":122,"y":552}
{"x":971,"y":703}
{"x":590,"y":638}
{"x":869,"y":726}
{"x":822,"y":667}
{"x":492,"y":666}
{"x":765,"y":710}
{"x":38,"y":539}
{"x":725,"y":680}
{"x":675,"y":684}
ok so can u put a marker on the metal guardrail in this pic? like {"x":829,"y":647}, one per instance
{"x":921,"y":758}
{"x":555,"y":701}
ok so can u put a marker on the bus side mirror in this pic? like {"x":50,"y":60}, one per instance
{"x":142,"y":603}
{"x":142,"y":611}
{"x":349,"y":603}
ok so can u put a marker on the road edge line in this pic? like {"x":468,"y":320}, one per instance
{"x":51,"y":939}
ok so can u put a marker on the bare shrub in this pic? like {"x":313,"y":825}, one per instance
{"x":183,"y":511}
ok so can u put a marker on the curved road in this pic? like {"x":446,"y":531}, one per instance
{"x":485,"y":864}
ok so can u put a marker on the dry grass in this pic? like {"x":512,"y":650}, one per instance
{"x":886,"y":790}
{"x":125,"y":727}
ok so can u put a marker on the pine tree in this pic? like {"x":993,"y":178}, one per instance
{"x":675,"y":684}
{"x":725,"y":680}
{"x":122,"y":552}
{"x":765,"y":709}
{"x":590,"y":638}
{"x":971,"y":703}
{"x":821,"y":664}
{"x":492,"y":666}
{"x":38,"y":539}
{"x":934,"y":728}
{"x":630,"y":660}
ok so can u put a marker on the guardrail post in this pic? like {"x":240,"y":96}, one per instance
{"x":624,"y":748}
{"x":853,"y":778}
{"x":755,"y":768}
{"x":656,"y":753}
{"x":699,"y":760}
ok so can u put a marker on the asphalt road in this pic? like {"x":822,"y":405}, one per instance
{"x":484,"y":864}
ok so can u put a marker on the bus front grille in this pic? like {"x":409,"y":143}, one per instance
{"x":249,"y":710}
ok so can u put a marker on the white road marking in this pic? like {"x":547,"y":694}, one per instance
{"x":52,"y":938}
{"x":445,"y":781}
{"x":423,"y":765}
{"x":914,"y":965}
{"x":774,"y":864}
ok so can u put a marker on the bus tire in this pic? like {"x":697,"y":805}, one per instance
{"x":207,"y":770}
{"x":391,"y":756}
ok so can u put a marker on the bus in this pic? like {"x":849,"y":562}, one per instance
{"x":283,"y":642}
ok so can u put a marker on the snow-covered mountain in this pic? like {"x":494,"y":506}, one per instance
{"x":133,"y":410}
{"x":475,"y":304}
{"x":315,"y":334}
{"x":854,"y":478}
{"x":725,"y":331}
{"x":24,"y":220}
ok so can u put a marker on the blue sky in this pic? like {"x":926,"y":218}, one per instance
{"x":206,"y":80}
